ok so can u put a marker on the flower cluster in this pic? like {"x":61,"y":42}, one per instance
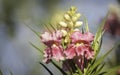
{"x":68,"y":42}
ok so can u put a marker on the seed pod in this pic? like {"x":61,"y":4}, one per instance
{"x":63,"y":24}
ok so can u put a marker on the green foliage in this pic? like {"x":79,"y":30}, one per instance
{"x":46,"y":68}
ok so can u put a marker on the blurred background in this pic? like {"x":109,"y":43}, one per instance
{"x":16,"y":53}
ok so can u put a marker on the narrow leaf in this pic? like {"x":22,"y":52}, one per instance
{"x":46,"y":68}
{"x":101,"y":59}
{"x":102,"y":73}
{"x":79,"y":71}
{"x":37,"y":33}
{"x":86,"y":24}
{"x":99,"y":69}
{"x":113,"y":69}
{"x":36,"y":47}
{"x":53,"y":27}
{"x":63,"y":72}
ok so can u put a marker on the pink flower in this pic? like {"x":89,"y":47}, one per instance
{"x":55,"y":52}
{"x":80,"y":45}
{"x":49,"y":39}
{"x":47,"y":55}
{"x":84,"y":38}
{"x":79,"y":50}
{"x":54,"y":48}
{"x":70,"y":52}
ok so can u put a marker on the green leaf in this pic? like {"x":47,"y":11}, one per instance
{"x":102,"y":73}
{"x":100,"y":60}
{"x":46,"y":68}
{"x":113,"y":69}
{"x":36,"y":48}
{"x":63,"y":72}
{"x":52,"y":27}
{"x":79,"y":71}
{"x":99,"y":34}
{"x":99,"y":69}
{"x":86,"y":23}
{"x":37,"y":33}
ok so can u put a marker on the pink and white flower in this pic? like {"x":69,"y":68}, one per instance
{"x":80,"y":45}
{"x":54,"y":48}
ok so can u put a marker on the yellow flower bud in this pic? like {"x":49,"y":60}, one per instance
{"x":74,"y":18}
{"x":73,"y":8}
{"x":78,"y":15}
{"x":68,"y":12}
{"x":64,"y":32}
{"x":66,"y":40}
{"x":76,"y":29}
{"x":63,"y":24}
{"x":78,"y":23}
{"x":70,"y":24}
{"x":67,"y":17}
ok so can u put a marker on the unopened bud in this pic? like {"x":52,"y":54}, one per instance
{"x":63,"y":24}
{"x":78,"y":23}
{"x":66,"y":40}
{"x":78,"y":15}
{"x":68,"y":12}
{"x":67,"y":17}
{"x":64,"y":32}
{"x":73,"y":8}
{"x":74,"y":19}
{"x":71,"y":24}
{"x":76,"y":29}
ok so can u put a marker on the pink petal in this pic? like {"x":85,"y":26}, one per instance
{"x":84,"y":38}
{"x":76,"y":36}
{"x":89,"y":54}
{"x":50,"y":39}
{"x":70,"y":52}
{"x":80,"y":50}
{"x":57,"y":52}
{"x":88,"y":37}
{"x":47,"y":55}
